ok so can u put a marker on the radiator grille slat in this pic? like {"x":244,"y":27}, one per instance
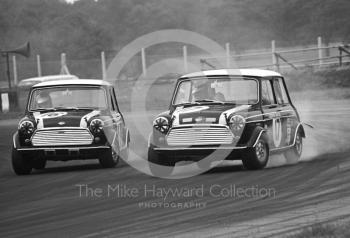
{"x":62,"y":137}
{"x":199,"y":136}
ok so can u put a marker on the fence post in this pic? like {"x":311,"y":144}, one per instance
{"x":5,"y":102}
{"x":64,"y":68}
{"x":103,"y":65}
{"x":143,"y":61}
{"x":340,"y":56}
{"x":38,"y":64}
{"x":228,"y":55}
{"x":274,"y":57}
{"x":184,"y":49}
{"x":319,"y":46}
{"x":14,"y":62}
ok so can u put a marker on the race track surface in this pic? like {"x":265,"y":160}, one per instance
{"x":49,"y":204}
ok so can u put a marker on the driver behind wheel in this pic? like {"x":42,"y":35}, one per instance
{"x":43,"y":100}
{"x":202,"y":89}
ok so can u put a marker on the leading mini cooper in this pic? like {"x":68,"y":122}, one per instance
{"x":243,"y":114}
{"x":70,"y":119}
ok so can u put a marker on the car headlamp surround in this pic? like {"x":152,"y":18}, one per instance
{"x":96,"y":126}
{"x":237,"y":122}
{"x":161,"y":124}
{"x":26,"y":127}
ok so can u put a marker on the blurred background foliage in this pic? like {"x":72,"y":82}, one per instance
{"x":87,"y":27}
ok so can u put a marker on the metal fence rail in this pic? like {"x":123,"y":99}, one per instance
{"x":279,"y":59}
{"x":285,"y":59}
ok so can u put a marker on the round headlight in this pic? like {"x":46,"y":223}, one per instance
{"x":161,"y":124}
{"x":237,"y":122}
{"x":96,"y":126}
{"x":26,"y":127}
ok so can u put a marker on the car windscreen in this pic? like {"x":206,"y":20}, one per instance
{"x":223,"y":89}
{"x":68,"y":97}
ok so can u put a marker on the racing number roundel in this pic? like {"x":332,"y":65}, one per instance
{"x":276,"y":131}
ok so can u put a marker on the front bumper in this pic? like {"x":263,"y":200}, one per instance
{"x":197,"y":153}
{"x":64,"y":153}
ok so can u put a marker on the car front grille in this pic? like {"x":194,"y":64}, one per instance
{"x":62,"y":137}
{"x":199,"y":135}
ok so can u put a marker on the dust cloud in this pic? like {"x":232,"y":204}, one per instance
{"x":328,"y":111}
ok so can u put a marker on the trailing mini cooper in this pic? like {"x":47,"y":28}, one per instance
{"x":240,"y":114}
{"x":70,"y":119}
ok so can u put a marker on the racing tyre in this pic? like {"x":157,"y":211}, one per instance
{"x":257,"y":156}
{"x":157,"y":159}
{"x":20,"y":165}
{"x":39,"y":164}
{"x":109,"y":158}
{"x":125,"y":152}
{"x":293,"y":155}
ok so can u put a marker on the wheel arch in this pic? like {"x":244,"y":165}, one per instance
{"x":15,"y":140}
{"x":150,"y":141}
{"x":300,"y":128}
{"x":258,"y":132}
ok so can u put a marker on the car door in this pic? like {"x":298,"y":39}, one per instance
{"x":118,"y":121}
{"x":286,"y":112}
{"x":271,"y":113}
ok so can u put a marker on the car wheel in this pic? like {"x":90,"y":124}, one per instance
{"x":109,"y":158}
{"x":257,"y":156}
{"x":293,"y":155}
{"x":125,"y":152}
{"x":39,"y":164}
{"x":157,"y":159}
{"x":20,"y":165}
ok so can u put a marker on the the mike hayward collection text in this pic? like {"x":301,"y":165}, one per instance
{"x":154,"y":191}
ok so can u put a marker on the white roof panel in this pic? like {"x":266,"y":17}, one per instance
{"x":96,"y":82}
{"x":236,"y":72}
{"x":35,"y":80}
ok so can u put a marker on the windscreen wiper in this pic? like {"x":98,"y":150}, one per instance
{"x":210,"y":101}
{"x":40,"y":109}
{"x":65,"y":108}
{"x":187,"y":104}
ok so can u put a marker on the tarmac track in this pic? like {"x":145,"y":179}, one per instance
{"x":317,"y":189}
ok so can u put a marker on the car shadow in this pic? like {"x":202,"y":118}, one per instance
{"x":72,"y":168}
{"x":225,"y":169}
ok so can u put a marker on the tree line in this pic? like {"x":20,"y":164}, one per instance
{"x":86,"y":27}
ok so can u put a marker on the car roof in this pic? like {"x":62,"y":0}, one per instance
{"x":94,"y":82}
{"x":233,"y":72}
{"x":35,"y":80}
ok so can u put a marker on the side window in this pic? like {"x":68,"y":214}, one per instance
{"x":112,"y":100}
{"x":280,"y":91}
{"x":283,"y":91}
{"x":115,"y":100}
{"x":266,"y":93}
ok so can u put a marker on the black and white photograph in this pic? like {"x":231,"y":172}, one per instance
{"x":175,"y":118}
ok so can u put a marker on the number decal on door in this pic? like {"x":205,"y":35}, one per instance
{"x":277,"y":131}
{"x":289,"y":131}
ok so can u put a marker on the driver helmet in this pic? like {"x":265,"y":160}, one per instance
{"x":43,"y":99}
{"x":201,"y":89}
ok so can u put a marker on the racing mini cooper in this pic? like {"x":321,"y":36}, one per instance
{"x":241,"y":114}
{"x":70,"y":119}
